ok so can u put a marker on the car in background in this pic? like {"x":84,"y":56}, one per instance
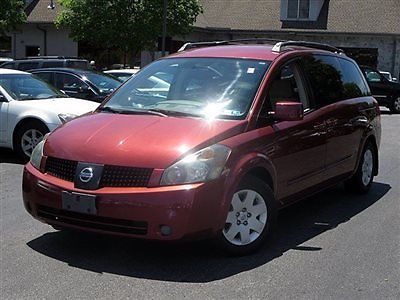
{"x":38,"y":62}
{"x":386,"y":92}
{"x":388,"y":76}
{"x":30,"y":107}
{"x":83,"y":84}
{"x":5,"y":59}
{"x":122,"y":74}
{"x":210,"y":142}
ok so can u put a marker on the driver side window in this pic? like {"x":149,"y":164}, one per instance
{"x":287,"y":85}
{"x":69,"y":82}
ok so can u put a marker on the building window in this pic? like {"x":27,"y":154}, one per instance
{"x":5,"y":44}
{"x":298,"y":9}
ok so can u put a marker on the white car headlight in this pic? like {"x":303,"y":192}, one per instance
{"x":204,"y":165}
{"x":37,"y":154}
{"x":64,"y":118}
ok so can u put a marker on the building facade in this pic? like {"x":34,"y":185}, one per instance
{"x":39,"y":36}
{"x":368,"y":30}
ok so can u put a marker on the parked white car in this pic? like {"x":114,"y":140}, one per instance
{"x":123,"y":74}
{"x":30,"y":107}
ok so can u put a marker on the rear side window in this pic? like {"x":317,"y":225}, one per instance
{"x":53,"y":64}
{"x":353,"y":82}
{"x":333,"y":79}
{"x":24,"y":66}
{"x":325,"y":78}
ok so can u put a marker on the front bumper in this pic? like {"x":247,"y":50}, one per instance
{"x":191,"y":211}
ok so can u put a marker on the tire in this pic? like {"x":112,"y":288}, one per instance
{"x":362,"y":180}
{"x":395,"y":106}
{"x":251,"y":218}
{"x":27,"y":137}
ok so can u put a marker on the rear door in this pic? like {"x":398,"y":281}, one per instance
{"x":338,"y":89}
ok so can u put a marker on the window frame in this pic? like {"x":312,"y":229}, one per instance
{"x":360,"y":73}
{"x":298,"y":18}
{"x":266,"y":119}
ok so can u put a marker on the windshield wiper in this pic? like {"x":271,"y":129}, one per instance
{"x":172,"y":112}
{"x":132,"y":111}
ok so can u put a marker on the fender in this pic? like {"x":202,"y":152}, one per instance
{"x":31,"y":114}
{"x":236,"y":172}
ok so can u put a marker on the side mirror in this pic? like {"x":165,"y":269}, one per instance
{"x":3,"y":98}
{"x":288,"y":111}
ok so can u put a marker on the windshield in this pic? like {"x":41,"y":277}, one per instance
{"x":204,"y":87}
{"x":28,"y":87}
{"x":105,"y":83}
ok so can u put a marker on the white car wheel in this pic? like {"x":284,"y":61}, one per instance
{"x":29,"y":140}
{"x":246,"y":218}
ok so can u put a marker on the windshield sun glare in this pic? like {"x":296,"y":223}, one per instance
{"x":204,"y":87}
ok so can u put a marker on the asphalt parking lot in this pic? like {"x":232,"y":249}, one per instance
{"x":331,"y":246}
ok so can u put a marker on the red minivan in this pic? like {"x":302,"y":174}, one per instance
{"x":210,"y":142}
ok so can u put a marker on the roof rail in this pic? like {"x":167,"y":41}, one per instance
{"x":188,"y":46}
{"x":280,"y":45}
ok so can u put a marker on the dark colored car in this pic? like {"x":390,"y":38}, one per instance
{"x":386,"y":92}
{"x":84,"y":84}
{"x":39,"y":62}
{"x":210,"y":142}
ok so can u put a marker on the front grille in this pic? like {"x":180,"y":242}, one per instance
{"x":125,"y":176}
{"x":91,"y":221}
{"x":113,"y":176}
{"x":61,"y":168}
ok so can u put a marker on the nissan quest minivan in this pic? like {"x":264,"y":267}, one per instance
{"x":210,"y":143}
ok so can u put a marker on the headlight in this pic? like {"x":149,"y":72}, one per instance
{"x":37,"y":154}
{"x":204,"y":165}
{"x":64,"y":118}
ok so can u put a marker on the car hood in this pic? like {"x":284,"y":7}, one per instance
{"x":146,"y":141}
{"x":61,"y":105}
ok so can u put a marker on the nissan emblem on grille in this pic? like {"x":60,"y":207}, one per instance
{"x":86,"y":174}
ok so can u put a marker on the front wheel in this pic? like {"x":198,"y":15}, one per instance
{"x":27,"y":137}
{"x":250,"y":218}
{"x":362,"y":180}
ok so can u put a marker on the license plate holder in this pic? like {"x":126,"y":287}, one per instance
{"x":80,"y":203}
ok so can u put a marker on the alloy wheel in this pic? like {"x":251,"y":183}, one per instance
{"x":29,"y":140}
{"x":367,"y":167}
{"x":247,"y":218}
